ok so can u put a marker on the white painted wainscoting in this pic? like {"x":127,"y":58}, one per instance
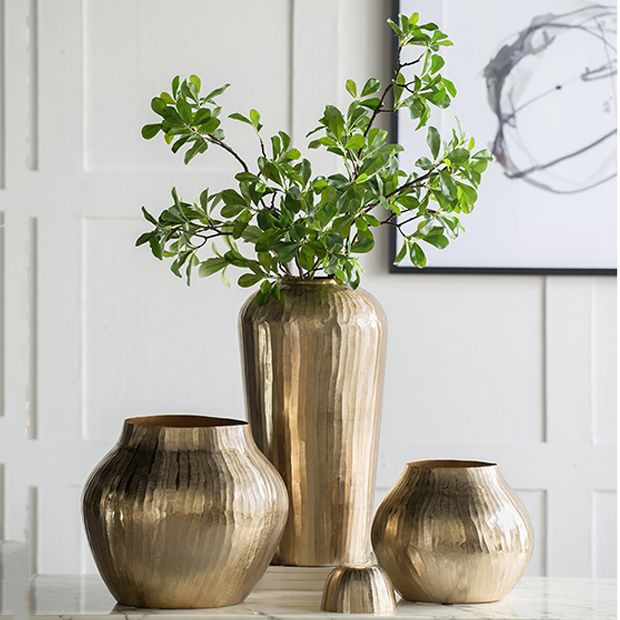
{"x":516,"y":369}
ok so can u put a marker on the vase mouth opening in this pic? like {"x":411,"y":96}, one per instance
{"x":183,"y":421}
{"x":315,"y":280}
{"x":450,"y":464}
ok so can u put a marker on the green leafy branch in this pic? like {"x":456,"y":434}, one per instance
{"x":279,"y":221}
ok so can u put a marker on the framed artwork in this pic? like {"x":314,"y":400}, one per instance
{"x":536,"y":85}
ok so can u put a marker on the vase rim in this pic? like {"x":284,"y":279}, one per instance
{"x":451,"y":464}
{"x":311,"y":281}
{"x":182,"y":420}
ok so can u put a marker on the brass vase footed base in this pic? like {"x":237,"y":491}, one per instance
{"x":313,"y":365}
{"x":358,"y":590}
{"x":184,"y":512}
{"x":452,"y":532}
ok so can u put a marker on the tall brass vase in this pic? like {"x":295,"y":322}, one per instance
{"x":313,"y":364}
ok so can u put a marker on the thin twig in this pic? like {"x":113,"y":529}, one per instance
{"x":228,"y":148}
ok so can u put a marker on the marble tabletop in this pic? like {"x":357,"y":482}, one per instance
{"x":296,"y":594}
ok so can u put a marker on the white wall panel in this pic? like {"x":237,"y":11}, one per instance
{"x":604,"y":534}
{"x":536,"y":504}
{"x":2,"y":323}
{"x":58,"y":529}
{"x":471,"y":358}
{"x":151,"y":343}
{"x":604,"y":362}
{"x":516,"y":370}
{"x":152,"y":43}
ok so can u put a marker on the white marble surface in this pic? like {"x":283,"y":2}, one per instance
{"x":296,"y":593}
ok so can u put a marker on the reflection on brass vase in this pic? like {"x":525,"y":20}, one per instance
{"x":184,"y":512}
{"x":313,"y":365}
{"x":358,"y":590}
{"x":452,"y":532}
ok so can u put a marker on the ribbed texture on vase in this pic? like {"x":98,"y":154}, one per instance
{"x":452,"y":532}
{"x":358,"y":590}
{"x":313,"y":365}
{"x":184,"y":512}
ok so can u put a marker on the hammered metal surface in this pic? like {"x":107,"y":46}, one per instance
{"x":452,"y":532}
{"x":313,"y":365}
{"x":358,"y":590}
{"x":184,"y":512}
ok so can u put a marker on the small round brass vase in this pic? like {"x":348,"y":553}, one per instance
{"x":184,"y":512}
{"x":313,"y":366}
{"x":452,"y":532}
{"x":358,"y":590}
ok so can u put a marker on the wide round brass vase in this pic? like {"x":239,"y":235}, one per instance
{"x":184,"y":512}
{"x":452,"y":532}
{"x":313,"y":364}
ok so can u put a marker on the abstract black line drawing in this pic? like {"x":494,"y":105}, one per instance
{"x":551,"y":133}
{"x":537,"y":80}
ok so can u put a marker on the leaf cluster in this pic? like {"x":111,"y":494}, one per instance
{"x":278,"y":220}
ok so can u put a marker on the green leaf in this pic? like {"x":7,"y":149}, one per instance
{"x":458,"y":156}
{"x":211,"y":266}
{"x":144,"y":238}
{"x":424,"y":162}
{"x":195,"y":80}
{"x":372,"y":86}
{"x":150,"y":131}
{"x":355,"y":142}
{"x":286,"y":252}
{"x":365,"y":243}
{"x":148,"y":217}
{"x":372,"y":102}
{"x":351,"y":88}
{"x":448,"y":187}
{"x":437,"y":62}
{"x":217,"y":91}
{"x":306,"y":257}
{"x":249,"y":279}
{"x":401,"y":253}
{"x":231,"y":210}
{"x":185,"y":111}
{"x":437,"y":238}
{"x":179,"y":143}
{"x":394,"y":27}
{"x":209,"y":126}
{"x":333,"y":120}
{"x":255,"y":119}
{"x":449,"y":86}
{"x":469,"y":193}
{"x":198,"y":147}
{"x":239,"y":117}
{"x":433,"y":140}
{"x":418,"y":258}
{"x":232,"y":197}
{"x":158,"y":105}
{"x":158,"y":251}
{"x":293,"y":154}
{"x":286,"y":140}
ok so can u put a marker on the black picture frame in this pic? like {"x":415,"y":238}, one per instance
{"x":393,"y":234}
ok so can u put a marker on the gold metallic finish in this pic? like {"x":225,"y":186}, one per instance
{"x":184,"y":512}
{"x":313,"y":365}
{"x":452,"y":532}
{"x":358,"y":590}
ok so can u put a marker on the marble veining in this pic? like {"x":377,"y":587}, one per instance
{"x":295,"y":593}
